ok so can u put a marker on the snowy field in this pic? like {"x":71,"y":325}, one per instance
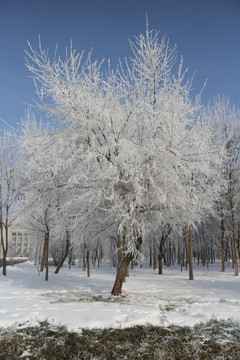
{"x":73,"y":300}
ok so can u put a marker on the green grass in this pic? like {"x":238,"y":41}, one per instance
{"x":214,"y":340}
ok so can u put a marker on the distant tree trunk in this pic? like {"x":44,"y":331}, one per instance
{"x":84,"y":257}
{"x":70,"y":260}
{"x":179,"y":254}
{"x":36,"y":255}
{"x":160,"y":263}
{"x":94,"y":257}
{"x":4,"y":263}
{"x":39,"y":254}
{"x":46,"y":258}
{"x":222,"y":246}
{"x":117,"y":287}
{"x":160,"y":257}
{"x":43,"y":260}
{"x":65,"y":255}
{"x":4,"y":242}
{"x":234,"y":233}
{"x":190,"y":254}
{"x":150,"y":256}
{"x":154,"y":255}
{"x":169,"y":254}
{"x":88,"y":262}
{"x":100,"y":255}
{"x":4,"y":251}
{"x":182,"y":256}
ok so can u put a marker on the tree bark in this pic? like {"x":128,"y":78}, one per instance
{"x":124,"y":252}
{"x":120,"y":249}
{"x":121,"y":273}
{"x":65,"y":255}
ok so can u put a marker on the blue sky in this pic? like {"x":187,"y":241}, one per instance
{"x":207,"y":34}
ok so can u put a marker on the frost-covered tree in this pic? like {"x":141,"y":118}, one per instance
{"x":41,"y":192}
{"x":130,"y":144}
{"x":9,"y":188}
{"x":225,"y":119}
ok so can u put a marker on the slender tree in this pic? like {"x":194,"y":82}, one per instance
{"x":9,"y":189}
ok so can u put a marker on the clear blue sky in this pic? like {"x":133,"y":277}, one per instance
{"x":207,"y":33}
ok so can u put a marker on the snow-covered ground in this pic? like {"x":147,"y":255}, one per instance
{"x":72,"y":299}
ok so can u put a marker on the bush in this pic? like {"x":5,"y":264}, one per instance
{"x":214,"y":340}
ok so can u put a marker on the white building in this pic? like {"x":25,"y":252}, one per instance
{"x":19,"y":243}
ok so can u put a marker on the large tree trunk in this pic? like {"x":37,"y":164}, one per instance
{"x":65,"y":255}
{"x":122,"y":269}
{"x":190,"y":254}
{"x":120,"y":248}
{"x":95,"y":255}
{"x":121,"y":273}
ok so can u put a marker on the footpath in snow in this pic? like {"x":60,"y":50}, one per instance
{"x":73,"y":300}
